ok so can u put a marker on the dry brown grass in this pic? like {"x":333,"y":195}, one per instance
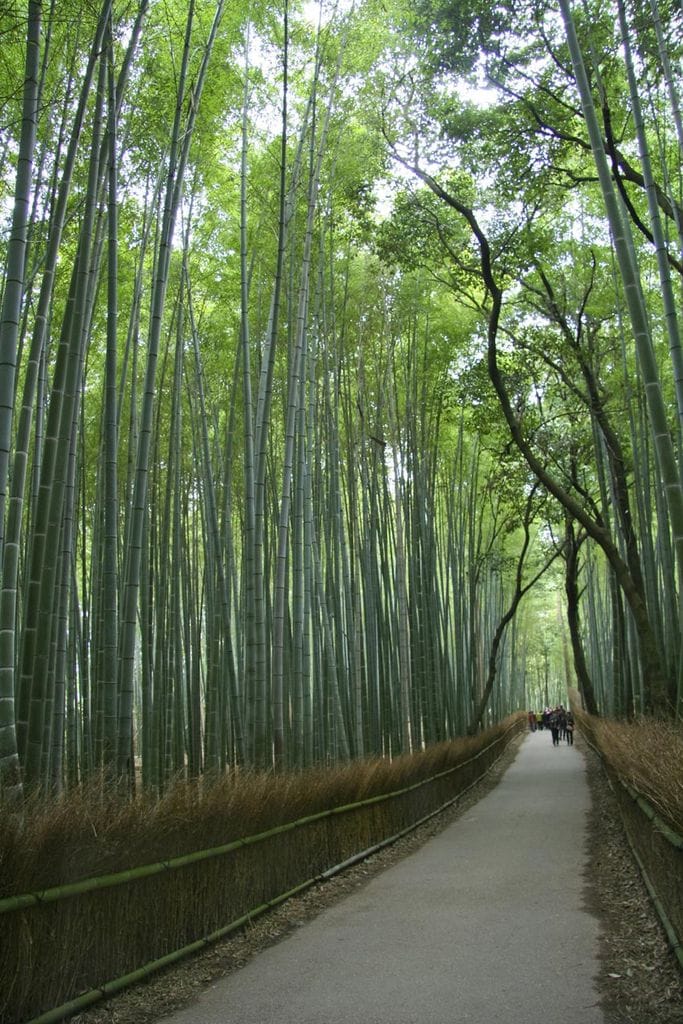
{"x":86,"y":833}
{"x":648,"y":755}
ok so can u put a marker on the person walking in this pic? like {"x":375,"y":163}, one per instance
{"x":554,"y":722}
{"x":562,"y":719}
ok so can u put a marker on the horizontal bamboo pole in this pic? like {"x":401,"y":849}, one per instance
{"x":674,"y":940}
{"x":648,"y":810}
{"x":110,"y":988}
{"x":59,"y":892}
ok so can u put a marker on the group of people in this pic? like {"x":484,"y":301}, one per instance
{"x":559,"y":721}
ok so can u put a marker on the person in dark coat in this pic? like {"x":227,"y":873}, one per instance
{"x":554,"y":722}
{"x":562,"y":717}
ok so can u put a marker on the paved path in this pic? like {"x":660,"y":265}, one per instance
{"x":483,"y":924}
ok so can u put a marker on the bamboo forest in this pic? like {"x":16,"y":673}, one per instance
{"x":341,"y":380}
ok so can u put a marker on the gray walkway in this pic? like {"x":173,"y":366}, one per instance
{"x":485,"y":923}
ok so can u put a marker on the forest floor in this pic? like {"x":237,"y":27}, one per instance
{"x":639,"y":980}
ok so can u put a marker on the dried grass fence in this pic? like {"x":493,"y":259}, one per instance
{"x":73,"y":943}
{"x":644,"y":764}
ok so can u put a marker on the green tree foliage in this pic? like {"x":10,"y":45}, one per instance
{"x":555,"y":126}
{"x":262,"y":505}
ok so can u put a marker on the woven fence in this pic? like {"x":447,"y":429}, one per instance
{"x":64,"y":948}
{"x":656,"y":846}
{"x":659,"y":852}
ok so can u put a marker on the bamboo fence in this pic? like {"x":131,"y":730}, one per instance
{"x":69,"y":946}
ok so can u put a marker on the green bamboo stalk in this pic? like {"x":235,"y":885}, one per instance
{"x":520,"y":589}
{"x":135,"y":527}
{"x":180,"y":146}
{"x":669,"y":77}
{"x":110,"y":581}
{"x":15,"y":271}
{"x":164,"y":678}
{"x":222,"y":628}
{"x":177,"y":724}
{"x":666,"y":459}
{"x":39,"y":617}
{"x":251,"y":578}
{"x":404,"y":664}
{"x":10,"y":781}
{"x":670,"y":312}
{"x":10,"y":553}
{"x":191,"y":632}
{"x":296,"y":372}
{"x":258,"y":673}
